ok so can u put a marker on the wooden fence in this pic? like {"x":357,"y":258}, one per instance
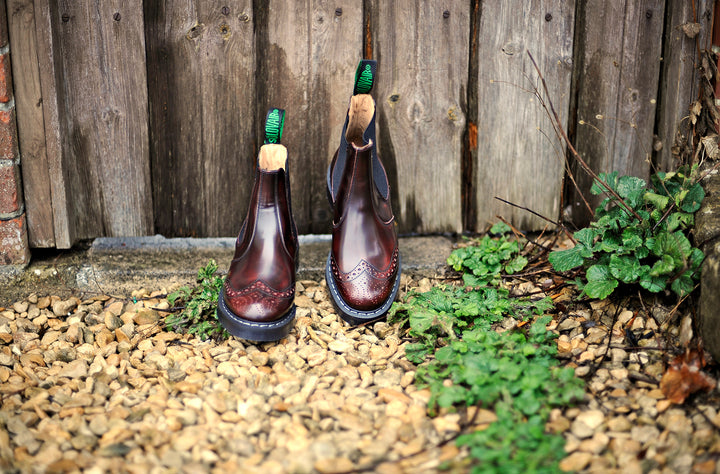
{"x":142,"y":117}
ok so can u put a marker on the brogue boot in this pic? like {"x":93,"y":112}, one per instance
{"x":363,"y":267}
{"x":257,"y":299}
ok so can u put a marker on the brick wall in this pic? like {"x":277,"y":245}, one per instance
{"x":13,"y":228}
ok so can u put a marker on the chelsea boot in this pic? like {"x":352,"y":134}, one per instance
{"x":363,"y":267}
{"x":257,"y":299}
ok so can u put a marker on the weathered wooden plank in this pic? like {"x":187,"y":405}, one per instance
{"x":619,"y":45}
{"x":519,"y":157}
{"x":95,"y":111}
{"x":201,"y":84}
{"x":678,"y":75}
{"x":53,"y":102}
{"x":31,"y":129}
{"x":310,"y":50}
{"x":102,"y":50}
{"x":422,"y":53}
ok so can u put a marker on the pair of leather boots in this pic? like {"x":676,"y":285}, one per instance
{"x":363,"y":267}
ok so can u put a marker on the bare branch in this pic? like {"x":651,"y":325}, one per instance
{"x":583,"y":165}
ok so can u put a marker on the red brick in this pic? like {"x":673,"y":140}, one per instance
{"x":5,"y":78}
{"x":8,"y":135}
{"x":10,"y":189}
{"x":14,"y":248}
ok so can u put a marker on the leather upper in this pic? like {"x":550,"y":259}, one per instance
{"x":260,"y":285}
{"x":364,"y":254}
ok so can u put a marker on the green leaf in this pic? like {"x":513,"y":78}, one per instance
{"x":658,"y":201}
{"x":451,"y":395}
{"x":610,"y":243}
{"x":179,"y":294}
{"x":416,"y":352}
{"x":208,"y":271}
{"x":683,"y":285}
{"x":455,"y":259}
{"x":671,"y":244}
{"x":653,"y":284}
{"x":631,"y":189}
{"x":500,"y":228}
{"x":696,"y":258}
{"x":679,"y":220}
{"x":609,"y":178}
{"x":625,"y":268}
{"x":472,"y":280}
{"x":586,"y":236}
{"x":564,"y":260}
{"x":421,"y":320}
{"x":632,"y":238}
{"x":528,"y":402}
{"x":598,"y":273}
{"x":664,"y":266}
{"x":693,"y":198}
{"x":600,"y":282}
{"x":515,"y":265}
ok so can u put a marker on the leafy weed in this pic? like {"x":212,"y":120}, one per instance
{"x":653,"y":252}
{"x":466,"y":363}
{"x":198,"y":305}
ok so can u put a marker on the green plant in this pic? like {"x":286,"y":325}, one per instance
{"x":197,"y":306}
{"x":647,"y":246}
{"x":517,"y":375}
{"x":514,"y":373}
{"x":441,"y":314}
{"x":437,"y":315}
{"x":483,"y":262}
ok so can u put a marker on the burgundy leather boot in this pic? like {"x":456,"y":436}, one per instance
{"x":363,"y":268}
{"x":257,"y":301}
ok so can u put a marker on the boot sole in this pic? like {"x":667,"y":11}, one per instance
{"x":251,"y":330}
{"x":355,"y":316}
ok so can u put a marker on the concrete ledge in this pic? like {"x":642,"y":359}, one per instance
{"x":117,"y":266}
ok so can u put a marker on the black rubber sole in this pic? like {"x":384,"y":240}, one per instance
{"x":352,"y":315}
{"x":251,"y":330}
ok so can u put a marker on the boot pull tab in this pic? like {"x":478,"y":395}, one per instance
{"x":274,"y":123}
{"x":365,"y":76}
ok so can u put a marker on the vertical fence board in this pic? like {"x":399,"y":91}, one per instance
{"x":105,"y":143}
{"x":310,"y":50}
{"x":519,"y":157}
{"x":422,"y":53}
{"x":679,"y":78}
{"x":31,"y":133}
{"x":619,"y":59}
{"x":53,"y":101}
{"x":201,"y":86}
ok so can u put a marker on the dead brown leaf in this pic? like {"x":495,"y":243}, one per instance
{"x":685,"y":377}
{"x":691,"y":30}
{"x":710,"y":144}
{"x":695,"y":109}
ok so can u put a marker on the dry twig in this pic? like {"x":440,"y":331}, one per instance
{"x":560,"y":130}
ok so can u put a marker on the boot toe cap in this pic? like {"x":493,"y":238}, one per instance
{"x":259,"y":303}
{"x":366,"y":293}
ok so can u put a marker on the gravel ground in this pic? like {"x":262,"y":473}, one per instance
{"x":94,"y":384}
